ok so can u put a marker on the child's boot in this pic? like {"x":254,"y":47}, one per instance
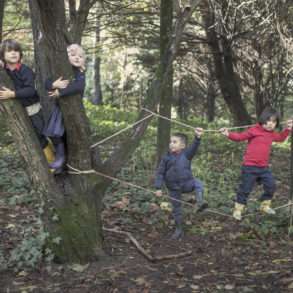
{"x":60,"y":157}
{"x":49,"y":154}
{"x":201,"y":204}
{"x":265,"y":207}
{"x":238,"y":210}
{"x":178,"y":233}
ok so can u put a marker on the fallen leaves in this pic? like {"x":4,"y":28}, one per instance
{"x":78,"y":267}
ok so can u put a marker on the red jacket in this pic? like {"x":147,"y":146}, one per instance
{"x":259,"y":144}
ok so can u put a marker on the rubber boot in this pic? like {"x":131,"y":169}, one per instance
{"x":178,"y":233}
{"x":60,"y":157}
{"x":265,"y":207}
{"x":201,"y":204}
{"x":49,"y":154}
{"x":238,"y":210}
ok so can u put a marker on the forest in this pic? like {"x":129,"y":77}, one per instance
{"x":136,"y":89}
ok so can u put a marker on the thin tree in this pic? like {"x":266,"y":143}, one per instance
{"x":164,"y":127}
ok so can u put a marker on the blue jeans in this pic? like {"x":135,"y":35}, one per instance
{"x":193,"y":185}
{"x":249,"y":175}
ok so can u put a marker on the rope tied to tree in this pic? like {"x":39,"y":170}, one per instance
{"x":92,"y":171}
{"x":120,"y":131}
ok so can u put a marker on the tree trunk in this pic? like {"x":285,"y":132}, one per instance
{"x":2,"y":6}
{"x":30,"y":149}
{"x":211,"y":93}
{"x":78,"y":19}
{"x":43,"y":65}
{"x":77,"y":228}
{"x":223,"y":60}
{"x":164,"y":127}
{"x":98,"y":96}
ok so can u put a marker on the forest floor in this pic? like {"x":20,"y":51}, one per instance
{"x":226,"y":257}
{"x":255,"y":255}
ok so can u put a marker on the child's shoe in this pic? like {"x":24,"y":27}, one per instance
{"x":60,"y":157}
{"x":238,"y":210}
{"x":178,"y":233}
{"x":265,"y":207}
{"x":49,"y":154}
{"x":202,"y":206}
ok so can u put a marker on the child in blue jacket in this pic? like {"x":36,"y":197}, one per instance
{"x":175,"y":171}
{"x":23,"y":79}
{"x":58,"y":89}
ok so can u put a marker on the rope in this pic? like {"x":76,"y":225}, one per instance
{"x":192,"y":127}
{"x":120,"y":131}
{"x":166,"y":118}
{"x":92,"y":171}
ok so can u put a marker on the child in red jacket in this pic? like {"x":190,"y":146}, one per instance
{"x":255,"y":165}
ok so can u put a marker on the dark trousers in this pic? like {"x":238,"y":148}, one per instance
{"x":193,"y":185}
{"x":38,"y":125}
{"x":251,"y":174}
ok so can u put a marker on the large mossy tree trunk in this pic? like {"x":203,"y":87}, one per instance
{"x":78,"y":230}
{"x":164,"y":127}
{"x":29,"y":147}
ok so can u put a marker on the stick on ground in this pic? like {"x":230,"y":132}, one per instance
{"x":144,"y":252}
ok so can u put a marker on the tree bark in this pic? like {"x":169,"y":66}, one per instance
{"x":98,"y":95}
{"x":30,"y":149}
{"x":224,"y":70}
{"x":80,"y":235}
{"x":211,"y":93}
{"x":78,"y":19}
{"x":2,"y":6}
{"x":164,"y":127}
{"x":43,"y":67}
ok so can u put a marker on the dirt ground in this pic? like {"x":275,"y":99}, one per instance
{"x":226,"y":257}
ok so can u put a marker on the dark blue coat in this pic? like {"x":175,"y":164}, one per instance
{"x":23,"y":80}
{"x":76,"y":86}
{"x":175,"y":169}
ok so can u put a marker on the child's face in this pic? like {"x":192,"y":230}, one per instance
{"x":176,"y":144}
{"x":270,"y":125}
{"x":11,"y":56}
{"x":76,"y":58}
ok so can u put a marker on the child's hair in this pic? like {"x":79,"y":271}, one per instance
{"x":9,"y":45}
{"x":183,"y":137}
{"x":267,"y":114}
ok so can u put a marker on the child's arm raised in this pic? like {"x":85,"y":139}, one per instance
{"x":237,"y":136}
{"x":192,"y":149}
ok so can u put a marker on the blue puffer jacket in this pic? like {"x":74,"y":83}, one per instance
{"x":175,"y":169}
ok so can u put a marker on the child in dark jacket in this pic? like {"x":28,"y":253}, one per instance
{"x":175,"y":171}
{"x":62,"y":88}
{"x":255,"y":167}
{"x":24,"y":89}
